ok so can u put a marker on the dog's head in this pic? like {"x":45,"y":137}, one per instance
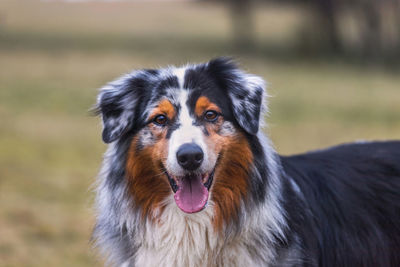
{"x":188,"y":131}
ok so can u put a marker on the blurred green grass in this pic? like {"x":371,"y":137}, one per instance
{"x":54,"y":55}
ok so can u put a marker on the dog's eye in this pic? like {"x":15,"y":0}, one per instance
{"x":160,"y":120}
{"x":210,"y":115}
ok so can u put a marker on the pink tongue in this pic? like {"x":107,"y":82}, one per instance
{"x":192,"y":195}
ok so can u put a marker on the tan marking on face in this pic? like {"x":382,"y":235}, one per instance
{"x":231,"y":177}
{"x":203,"y":104}
{"x":231,"y":180}
{"x":165,"y":107}
{"x":147,"y":181}
{"x":214,"y":141}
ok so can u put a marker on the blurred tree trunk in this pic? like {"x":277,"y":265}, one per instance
{"x":327,"y":13}
{"x":242,"y":23}
{"x":321,"y":31}
{"x":396,"y":6}
{"x":372,"y":32}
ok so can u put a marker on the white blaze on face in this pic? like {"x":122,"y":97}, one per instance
{"x":187,"y":132}
{"x":180,"y":74}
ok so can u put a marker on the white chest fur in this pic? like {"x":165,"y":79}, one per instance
{"x":189,"y":240}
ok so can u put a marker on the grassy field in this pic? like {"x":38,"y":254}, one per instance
{"x":54,"y":56}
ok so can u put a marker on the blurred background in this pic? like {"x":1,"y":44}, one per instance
{"x":332,"y":67}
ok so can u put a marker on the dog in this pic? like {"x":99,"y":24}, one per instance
{"x":189,"y":179}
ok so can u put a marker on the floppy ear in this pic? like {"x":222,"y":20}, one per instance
{"x":245,"y":91}
{"x":117,"y":103}
{"x":247,"y":102}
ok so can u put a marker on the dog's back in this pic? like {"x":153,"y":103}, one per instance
{"x":352,"y":194}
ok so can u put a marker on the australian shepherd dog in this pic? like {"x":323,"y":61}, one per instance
{"x":189,"y":179}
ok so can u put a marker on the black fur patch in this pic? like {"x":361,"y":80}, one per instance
{"x":245,"y":92}
{"x":352,"y":203}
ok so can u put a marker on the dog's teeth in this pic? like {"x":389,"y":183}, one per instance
{"x":204,"y":178}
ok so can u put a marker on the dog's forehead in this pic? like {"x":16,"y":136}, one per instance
{"x":184,"y":86}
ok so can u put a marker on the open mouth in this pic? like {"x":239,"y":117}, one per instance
{"x":191,"y":191}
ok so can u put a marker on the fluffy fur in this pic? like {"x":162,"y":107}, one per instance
{"x":334,"y":207}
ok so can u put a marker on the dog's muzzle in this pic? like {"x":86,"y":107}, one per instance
{"x":192,"y":189}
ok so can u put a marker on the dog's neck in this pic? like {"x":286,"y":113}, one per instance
{"x":177,"y":239}
{"x":180,"y":239}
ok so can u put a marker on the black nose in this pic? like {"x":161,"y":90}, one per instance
{"x":190,"y":156}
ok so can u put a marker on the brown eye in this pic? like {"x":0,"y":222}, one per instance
{"x":160,"y":120}
{"x":210,"y":115}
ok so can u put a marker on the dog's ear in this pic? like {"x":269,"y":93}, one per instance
{"x":117,"y":104}
{"x":245,"y":91}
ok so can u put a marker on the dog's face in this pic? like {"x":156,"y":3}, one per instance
{"x":187,"y":130}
